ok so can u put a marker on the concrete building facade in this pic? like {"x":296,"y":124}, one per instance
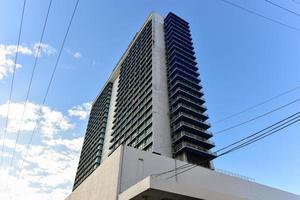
{"x":131,"y":173}
{"x":152,"y":101}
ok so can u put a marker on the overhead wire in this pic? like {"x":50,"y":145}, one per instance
{"x":272,"y":127}
{"x":260,"y":15}
{"x":237,"y":148}
{"x":292,"y":119}
{"x":257,"y":117}
{"x":13,"y":79}
{"x":281,"y":7}
{"x":262,"y":136}
{"x":37,"y":55}
{"x":257,"y":105}
{"x":49,"y":84}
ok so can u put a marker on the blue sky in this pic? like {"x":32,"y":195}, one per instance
{"x":243,"y":59}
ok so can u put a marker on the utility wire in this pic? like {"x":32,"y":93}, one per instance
{"x":290,"y":121}
{"x":260,"y":15}
{"x":262,"y":136}
{"x":257,"y":117}
{"x":257,"y":105}
{"x":13,"y":79}
{"x":281,"y":7}
{"x":37,"y":55}
{"x":237,"y":148}
{"x":50,"y":82}
{"x":280,"y":123}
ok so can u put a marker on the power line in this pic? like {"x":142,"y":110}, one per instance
{"x":260,"y":15}
{"x":262,"y":136}
{"x":280,"y":123}
{"x":257,"y":117}
{"x":50,"y":82}
{"x":30,"y":82}
{"x":13,"y":78}
{"x":292,"y":119}
{"x":281,"y":7}
{"x":257,"y":105}
{"x":239,"y":147}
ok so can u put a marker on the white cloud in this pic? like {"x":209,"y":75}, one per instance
{"x":50,"y":121}
{"x":48,"y":174}
{"x":77,"y":55}
{"x":7,"y":55}
{"x":82,"y":111}
{"x":51,"y":163}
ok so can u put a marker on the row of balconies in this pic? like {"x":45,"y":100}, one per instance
{"x":130,"y":85}
{"x":130,"y":97}
{"x":130,"y":127}
{"x":130,"y":114}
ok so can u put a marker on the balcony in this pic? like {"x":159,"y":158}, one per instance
{"x":185,"y":126}
{"x":189,"y":109}
{"x":186,"y":136}
{"x":184,"y":77}
{"x":178,"y":48}
{"x":194,"y":88}
{"x":177,"y":53}
{"x":182,"y":60}
{"x":187,"y":94}
{"x":186,"y":69}
{"x":198,"y":104}
{"x":192,"y":117}
{"x":194,"y":149}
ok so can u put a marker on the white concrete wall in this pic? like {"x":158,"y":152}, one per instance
{"x":103,"y":183}
{"x":199,"y":182}
{"x":120,"y":175}
{"x":110,"y":119}
{"x":160,"y":100}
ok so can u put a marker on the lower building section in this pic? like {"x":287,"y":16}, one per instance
{"x":130,"y":173}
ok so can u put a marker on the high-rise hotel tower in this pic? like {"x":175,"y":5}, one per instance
{"x":152,"y":101}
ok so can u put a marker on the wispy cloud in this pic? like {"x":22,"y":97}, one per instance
{"x":77,"y":55}
{"x":7,"y":55}
{"x":74,"y":54}
{"x":82,"y":111}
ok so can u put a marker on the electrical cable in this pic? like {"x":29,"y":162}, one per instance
{"x":50,"y":82}
{"x":13,"y":79}
{"x":281,"y":7}
{"x":30,"y":82}
{"x":290,"y":122}
{"x":260,"y":15}
{"x":258,"y":132}
{"x":257,"y":117}
{"x":237,"y":148}
{"x":257,"y":105}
